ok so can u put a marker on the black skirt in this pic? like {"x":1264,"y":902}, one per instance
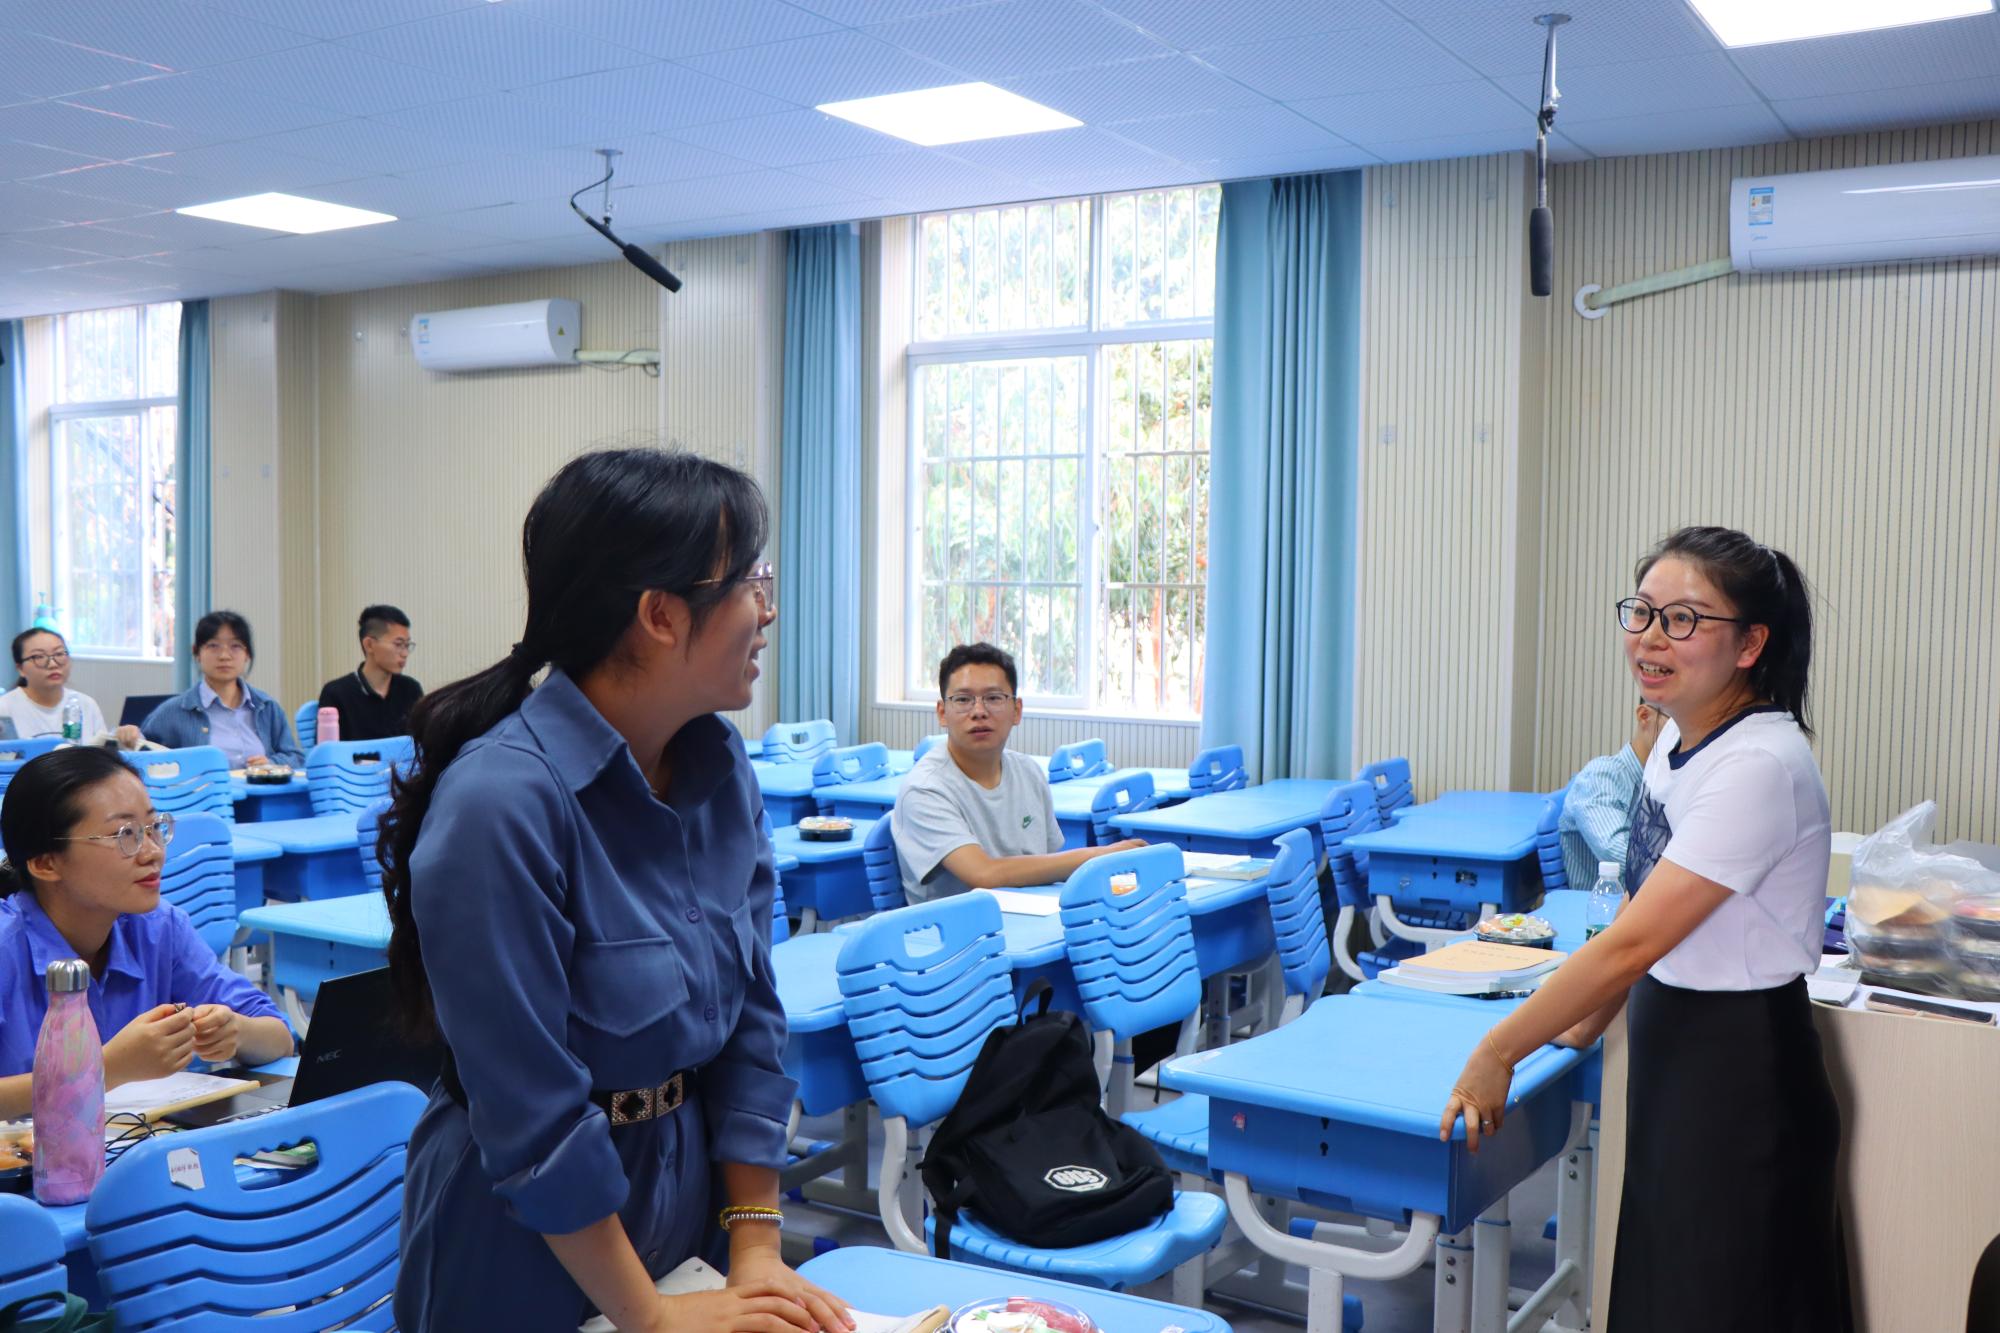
{"x":1730,"y":1221}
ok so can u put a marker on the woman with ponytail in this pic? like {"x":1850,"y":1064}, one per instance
{"x":1729,"y":1222}
{"x":581,"y":904}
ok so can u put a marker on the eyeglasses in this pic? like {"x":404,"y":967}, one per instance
{"x":763,"y":581}
{"x":399,"y":645}
{"x":43,"y":661}
{"x":130,"y":838}
{"x":962,"y":703}
{"x":1678,"y":619}
{"x":225,"y":649}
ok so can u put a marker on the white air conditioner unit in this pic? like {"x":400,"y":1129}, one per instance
{"x":1866,"y":215}
{"x":497,"y":337}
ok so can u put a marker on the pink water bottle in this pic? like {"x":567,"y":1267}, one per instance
{"x":69,"y":1090}
{"x":326,"y":726}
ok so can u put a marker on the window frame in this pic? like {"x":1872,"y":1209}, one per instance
{"x":1087,"y":341}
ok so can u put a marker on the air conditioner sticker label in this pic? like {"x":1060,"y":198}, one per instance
{"x":1761,"y":204}
{"x":423,"y":329}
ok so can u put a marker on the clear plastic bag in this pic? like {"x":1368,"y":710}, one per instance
{"x":1901,"y":901}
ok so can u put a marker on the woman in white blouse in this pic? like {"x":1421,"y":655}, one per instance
{"x":34,"y":707}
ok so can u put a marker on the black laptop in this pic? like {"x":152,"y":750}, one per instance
{"x":139,"y":707}
{"x":353,"y":1041}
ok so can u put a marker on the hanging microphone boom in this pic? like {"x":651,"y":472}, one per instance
{"x":634,"y":256}
{"x":1542,"y":221}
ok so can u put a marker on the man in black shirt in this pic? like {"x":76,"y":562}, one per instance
{"x":374,"y":699}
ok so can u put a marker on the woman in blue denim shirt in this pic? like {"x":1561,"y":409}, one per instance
{"x":223,"y":709}
{"x":581,"y":898}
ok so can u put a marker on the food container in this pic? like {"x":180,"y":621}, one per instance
{"x":268,"y":774}
{"x":1020,"y":1314}
{"x":826,"y":828}
{"x":1517,"y":928}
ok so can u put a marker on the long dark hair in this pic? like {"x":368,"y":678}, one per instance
{"x":1767,"y":589}
{"x":21,"y":649}
{"x":607,"y":528}
{"x":44,"y":801}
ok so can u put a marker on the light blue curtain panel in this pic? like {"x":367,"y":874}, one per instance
{"x":819,"y":482}
{"x":1280,"y":638}
{"x":16,"y":598}
{"x":193,"y":500}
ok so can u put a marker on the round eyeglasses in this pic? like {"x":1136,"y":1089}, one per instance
{"x":1678,"y":619}
{"x":130,"y":838}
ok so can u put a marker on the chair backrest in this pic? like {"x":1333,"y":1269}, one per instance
{"x":1078,"y":759}
{"x":322,"y":1239}
{"x":1126,"y":792}
{"x":921,"y":987}
{"x":1548,"y":843}
{"x":348,"y":775}
{"x":307,"y":722}
{"x":798,"y":742}
{"x":1298,"y":919}
{"x":781,"y":925}
{"x":15,"y":753}
{"x":1218,"y":768}
{"x":851,"y":763}
{"x":367,"y":838}
{"x":31,"y":1252}
{"x":1391,"y":780}
{"x":194,"y":780}
{"x":1348,"y":809}
{"x":924,"y":745}
{"x":199,"y":877}
{"x":1130,"y":945}
{"x":878,"y":861}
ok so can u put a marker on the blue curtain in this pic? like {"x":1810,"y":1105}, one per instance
{"x":819,"y":482}
{"x":16,"y":598}
{"x":1282,"y":475}
{"x":193,"y":501}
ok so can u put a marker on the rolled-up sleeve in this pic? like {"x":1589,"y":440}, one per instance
{"x":488,"y":889}
{"x":746,"y":1095}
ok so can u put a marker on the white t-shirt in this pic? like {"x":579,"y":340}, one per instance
{"x":31,"y":720}
{"x":1747,"y":809}
{"x":939,"y":810}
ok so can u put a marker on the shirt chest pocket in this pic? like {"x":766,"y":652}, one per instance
{"x":620,"y":988}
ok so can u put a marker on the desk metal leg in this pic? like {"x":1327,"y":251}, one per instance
{"x":1343,"y":926}
{"x":1451,"y":1287}
{"x":1567,"y":1291}
{"x":1431,"y":937}
{"x":1492,"y":1265}
{"x":1328,"y":1266}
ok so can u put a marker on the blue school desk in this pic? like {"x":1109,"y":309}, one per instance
{"x":885,"y":1281}
{"x":864,"y":800}
{"x":321,"y":857}
{"x":788,"y":791}
{"x":1072,"y":798}
{"x":829,"y":880}
{"x":1495,"y":804}
{"x":1339,"y":1109}
{"x":259,"y":801}
{"x":1450,"y":860}
{"x":250,"y":854}
{"x":317,"y":940}
{"x":1245,"y":822}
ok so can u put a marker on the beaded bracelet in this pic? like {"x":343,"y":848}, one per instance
{"x":728,"y":1217}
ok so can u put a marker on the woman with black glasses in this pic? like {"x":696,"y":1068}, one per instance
{"x":82,"y":880}
{"x":1729,"y":1221}
{"x":41,"y":693}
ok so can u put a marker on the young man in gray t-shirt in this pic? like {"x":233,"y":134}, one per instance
{"x":970,"y":815}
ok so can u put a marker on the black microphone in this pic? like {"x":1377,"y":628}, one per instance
{"x":634,"y":256}
{"x":1541,"y":250}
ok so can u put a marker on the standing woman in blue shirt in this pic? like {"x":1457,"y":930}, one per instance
{"x":581,"y":900}
{"x":224,"y":709}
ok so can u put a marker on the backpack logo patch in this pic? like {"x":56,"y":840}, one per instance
{"x":1076,"y":1179}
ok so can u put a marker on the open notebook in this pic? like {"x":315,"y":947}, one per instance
{"x":694,"y":1275}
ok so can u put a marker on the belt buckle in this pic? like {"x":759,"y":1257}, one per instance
{"x":640,"y":1104}
{"x":668,"y":1097}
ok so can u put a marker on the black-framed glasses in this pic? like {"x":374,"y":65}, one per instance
{"x":763,"y":581}
{"x":131,"y":838}
{"x":962,"y":703}
{"x":43,"y":661}
{"x":1678,"y":619}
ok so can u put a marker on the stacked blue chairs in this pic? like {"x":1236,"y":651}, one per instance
{"x":347,"y":776}
{"x":797,"y":742}
{"x":878,"y":861}
{"x":306,"y":721}
{"x":1349,"y":809}
{"x":31,"y":1260}
{"x":781,"y":925}
{"x":1218,"y":768}
{"x":924,"y":745}
{"x":194,"y":780}
{"x":199,"y":877}
{"x":1078,"y":759}
{"x":318,"y":1243}
{"x":922,"y":987}
{"x":1298,"y":920}
{"x":367,"y":841}
{"x":1126,"y":793}
{"x":1548,"y":844}
{"x":848,"y":763}
{"x":14,"y":753}
{"x":1393,"y":786}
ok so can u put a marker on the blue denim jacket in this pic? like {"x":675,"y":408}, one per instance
{"x":181,"y":721}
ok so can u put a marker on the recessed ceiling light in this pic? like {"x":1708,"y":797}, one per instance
{"x":286,"y":212}
{"x":958,"y":113}
{"x":1754,"y":22}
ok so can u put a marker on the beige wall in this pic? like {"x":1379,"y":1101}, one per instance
{"x":1851,"y":417}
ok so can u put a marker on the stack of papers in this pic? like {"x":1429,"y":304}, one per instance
{"x":1225,"y":865}
{"x":1475,"y":967}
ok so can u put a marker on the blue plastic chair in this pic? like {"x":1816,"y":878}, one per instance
{"x":1078,"y":759}
{"x":367,"y":840}
{"x":347,"y":776}
{"x":924,"y":745}
{"x":878,"y":861}
{"x":1548,"y":844}
{"x":922,"y":988}
{"x":781,"y":925}
{"x":1392,"y":783}
{"x":1349,"y":809}
{"x":1126,"y":793}
{"x":306,"y":721}
{"x":189,"y":781}
{"x":322,"y":1239}
{"x":199,"y":877}
{"x":31,"y":1257}
{"x":1218,"y":768}
{"x":15,"y":753}
{"x":798,"y":742}
{"x":1298,"y":920}
{"x":845,"y":764}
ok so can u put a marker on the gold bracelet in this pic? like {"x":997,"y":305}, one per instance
{"x":1488,"y":1039}
{"x":728,"y":1217}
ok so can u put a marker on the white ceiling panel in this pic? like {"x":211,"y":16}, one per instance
{"x":133,"y":183}
{"x":655,"y":96}
{"x":1064,"y":153}
{"x":1893,"y":108}
{"x":1469,"y":145}
{"x":1417,"y":113}
{"x":1213,"y":134}
{"x":670,"y":30}
{"x":369,"y":146}
{"x":915,"y":174}
{"x":203,"y":106}
{"x":1338,"y":158}
{"x":34,"y":67}
{"x":832,"y":67}
{"x":1351,"y":60}
{"x":1190,"y":27}
{"x":1506,"y":40}
{"x":1945,"y":52}
{"x":502,"y":123}
{"x":77,"y":128}
{"x":647,"y":209}
{"x":789,"y":138}
{"x":340,"y":79}
{"x":110,"y":240}
{"x":247,"y":167}
{"x":861,"y":13}
{"x":28,"y":161}
{"x":341,"y":18}
{"x":1639,"y":87}
{"x":1135,"y":89}
{"x":176,"y":34}
{"x":1720,"y":127}
{"x":26,"y":207}
{"x":496,"y":46}
{"x":1012,"y":37}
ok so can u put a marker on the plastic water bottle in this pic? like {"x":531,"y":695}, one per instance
{"x":1605,"y":897}
{"x":326,"y":726}
{"x":72,"y":716}
{"x":68,"y":1090}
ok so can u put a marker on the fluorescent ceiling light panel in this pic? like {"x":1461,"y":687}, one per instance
{"x":1755,"y":22}
{"x":958,"y":113}
{"x":286,"y":212}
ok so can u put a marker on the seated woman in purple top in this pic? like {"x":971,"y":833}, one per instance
{"x":82,"y":880}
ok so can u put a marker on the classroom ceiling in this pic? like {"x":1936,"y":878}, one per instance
{"x":473,"y":120}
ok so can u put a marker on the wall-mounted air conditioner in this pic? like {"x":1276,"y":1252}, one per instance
{"x":498,"y":337}
{"x":1866,"y":215}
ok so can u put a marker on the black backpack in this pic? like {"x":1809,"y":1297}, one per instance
{"x":1029,"y":1148}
